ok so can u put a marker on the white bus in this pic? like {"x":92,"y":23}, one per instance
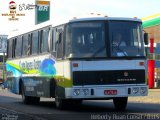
{"x":79,"y":60}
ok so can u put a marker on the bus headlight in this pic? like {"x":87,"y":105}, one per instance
{"x":76,"y":92}
{"x":86,"y":91}
{"x":143,"y":90}
{"x":135,"y":90}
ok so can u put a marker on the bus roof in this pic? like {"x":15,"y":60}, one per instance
{"x":28,"y":29}
{"x":106,"y":18}
{"x":50,"y":23}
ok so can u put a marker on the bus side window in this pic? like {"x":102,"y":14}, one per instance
{"x":44,"y":40}
{"x":29,"y":50}
{"x":34,"y":45}
{"x":18,"y":45}
{"x":25,"y":45}
{"x":14,"y":47}
{"x":59,"y":45}
{"x":52,"y":43}
{"x":9,"y":52}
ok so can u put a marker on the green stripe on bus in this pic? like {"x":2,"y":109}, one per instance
{"x":26,"y":71}
{"x":63,"y":82}
{"x":14,"y":65}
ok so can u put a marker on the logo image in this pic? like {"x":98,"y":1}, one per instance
{"x":12,"y":5}
{"x":13,"y":15}
{"x":125,"y":74}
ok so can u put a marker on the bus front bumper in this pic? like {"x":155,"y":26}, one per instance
{"x":94,"y":92}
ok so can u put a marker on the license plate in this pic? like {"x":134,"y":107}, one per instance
{"x":110,"y":92}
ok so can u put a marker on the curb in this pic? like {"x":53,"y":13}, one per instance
{"x":154,"y":90}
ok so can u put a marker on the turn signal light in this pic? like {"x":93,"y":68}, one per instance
{"x":75,"y":64}
{"x":141,"y":63}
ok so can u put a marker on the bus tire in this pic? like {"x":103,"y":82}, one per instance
{"x":60,"y":103}
{"x":76,"y":102}
{"x":25,"y":99}
{"x":35,"y":100}
{"x":28,"y":99}
{"x":120,"y":103}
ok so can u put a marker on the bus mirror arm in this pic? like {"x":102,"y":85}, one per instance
{"x":146,"y":38}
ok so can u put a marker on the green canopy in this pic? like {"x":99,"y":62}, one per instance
{"x":152,"y":22}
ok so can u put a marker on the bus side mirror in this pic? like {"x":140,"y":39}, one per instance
{"x":146,"y":38}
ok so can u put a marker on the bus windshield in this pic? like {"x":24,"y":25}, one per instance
{"x":85,"y":39}
{"x":95,"y":39}
{"x":126,"y":39}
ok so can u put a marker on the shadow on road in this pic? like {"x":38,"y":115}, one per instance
{"x":100,"y":109}
{"x":88,"y":106}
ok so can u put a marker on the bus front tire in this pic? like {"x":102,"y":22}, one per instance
{"x":120,"y":103}
{"x":60,"y":103}
{"x":67,"y":103}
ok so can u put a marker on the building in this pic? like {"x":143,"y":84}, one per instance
{"x":151,"y":25}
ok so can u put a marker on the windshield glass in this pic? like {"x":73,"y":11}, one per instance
{"x":85,"y":39}
{"x":126,"y":39}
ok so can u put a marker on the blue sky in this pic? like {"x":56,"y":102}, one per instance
{"x":73,"y":8}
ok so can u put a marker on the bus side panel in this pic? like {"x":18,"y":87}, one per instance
{"x":68,"y":74}
{"x":13,"y":75}
{"x":60,"y":79}
{"x":13,"y":84}
{"x":37,"y":75}
{"x":37,"y":86}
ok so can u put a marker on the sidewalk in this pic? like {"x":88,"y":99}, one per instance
{"x":153,"y":97}
{"x":154,"y":90}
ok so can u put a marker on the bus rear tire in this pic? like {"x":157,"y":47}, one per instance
{"x":28,"y":99}
{"x":120,"y":103}
{"x":25,"y":99}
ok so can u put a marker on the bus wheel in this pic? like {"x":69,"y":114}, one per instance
{"x":60,"y":103}
{"x":25,"y":99}
{"x":76,"y":103}
{"x":35,"y":100}
{"x":29,"y":99}
{"x":120,"y":103}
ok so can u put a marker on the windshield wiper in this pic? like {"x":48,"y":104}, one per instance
{"x":125,"y":54}
{"x":99,"y":50}
{"x":119,"y":49}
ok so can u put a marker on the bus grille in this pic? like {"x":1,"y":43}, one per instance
{"x":108,"y":77}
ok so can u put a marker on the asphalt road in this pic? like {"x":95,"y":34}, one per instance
{"x":12,"y":108}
